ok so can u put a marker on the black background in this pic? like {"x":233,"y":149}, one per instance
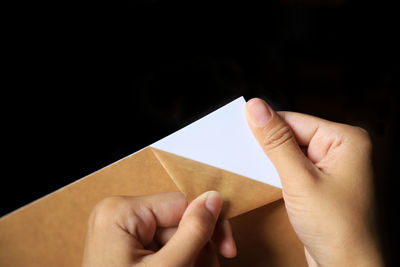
{"x":87,"y":85}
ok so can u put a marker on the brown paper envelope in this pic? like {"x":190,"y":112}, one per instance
{"x":51,"y":231}
{"x":240,"y":193}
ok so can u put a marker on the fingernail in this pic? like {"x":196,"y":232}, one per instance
{"x":213,"y":202}
{"x":259,"y":111}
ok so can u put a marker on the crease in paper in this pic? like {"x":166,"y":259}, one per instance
{"x":224,"y":140}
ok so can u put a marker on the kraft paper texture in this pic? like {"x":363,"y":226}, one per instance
{"x":194,"y":178}
{"x":51,"y":231}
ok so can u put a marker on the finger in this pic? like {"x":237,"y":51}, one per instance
{"x":308,"y":131}
{"x":163,"y":235}
{"x":223,"y":239}
{"x":319,"y":135}
{"x":167,"y":208}
{"x":279,"y":143}
{"x":194,"y":230}
{"x":304,"y":127}
{"x":140,"y":216}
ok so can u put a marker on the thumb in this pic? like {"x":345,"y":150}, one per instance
{"x":279,"y":143}
{"x":194,"y":231}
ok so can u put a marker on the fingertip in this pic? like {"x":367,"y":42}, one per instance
{"x":224,"y":241}
{"x":195,"y":228}
{"x":251,"y":103}
{"x":229,"y":245}
{"x":254,"y":100}
{"x":214,"y":202}
{"x":258,"y":111}
{"x":229,"y":250}
{"x":168,"y":208}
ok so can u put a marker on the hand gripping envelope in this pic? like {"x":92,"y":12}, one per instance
{"x":217,"y":152}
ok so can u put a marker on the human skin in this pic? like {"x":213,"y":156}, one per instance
{"x":158,"y":230}
{"x":326,"y":175}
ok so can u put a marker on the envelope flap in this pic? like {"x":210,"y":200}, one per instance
{"x":223,"y":139}
{"x":240,"y":194}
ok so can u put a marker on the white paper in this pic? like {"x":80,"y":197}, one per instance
{"x":223,"y":139}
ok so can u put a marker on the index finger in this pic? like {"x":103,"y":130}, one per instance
{"x":140,"y":216}
{"x":167,"y":208}
{"x":118,"y":224}
{"x":319,"y":135}
{"x":304,"y":127}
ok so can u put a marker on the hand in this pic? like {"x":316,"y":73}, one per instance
{"x":326,"y":174}
{"x":157,"y":230}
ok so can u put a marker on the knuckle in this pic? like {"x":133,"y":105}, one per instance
{"x":103,"y":213}
{"x":277,"y":136}
{"x":362,"y":137}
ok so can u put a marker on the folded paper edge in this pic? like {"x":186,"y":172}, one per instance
{"x":272,"y":198}
{"x":154,"y":150}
